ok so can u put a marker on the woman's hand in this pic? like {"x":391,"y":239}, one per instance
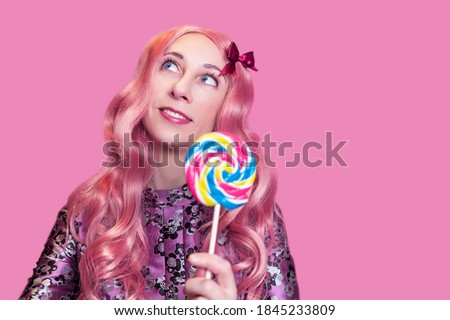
{"x":200,"y":288}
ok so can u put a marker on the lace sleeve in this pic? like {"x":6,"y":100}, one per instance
{"x":56,"y":273}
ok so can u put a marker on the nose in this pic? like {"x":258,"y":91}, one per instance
{"x":181,"y":90}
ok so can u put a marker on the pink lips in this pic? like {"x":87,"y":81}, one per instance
{"x":173,"y":119}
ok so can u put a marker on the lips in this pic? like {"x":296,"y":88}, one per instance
{"x":175,"y":115}
{"x":176,"y":111}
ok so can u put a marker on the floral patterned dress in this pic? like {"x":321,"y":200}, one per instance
{"x":171,"y":217}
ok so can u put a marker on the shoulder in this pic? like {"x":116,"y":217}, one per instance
{"x":56,"y":273}
{"x":277,"y":228}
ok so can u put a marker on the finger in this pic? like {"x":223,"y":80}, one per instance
{"x":219,"y":266}
{"x":197,"y":298}
{"x":199,"y":288}
{"x":200,"y":272}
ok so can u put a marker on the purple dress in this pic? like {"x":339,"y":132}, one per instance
{"x":171,"y":218}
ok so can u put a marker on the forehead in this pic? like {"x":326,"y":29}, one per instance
{"x":197,"y":48}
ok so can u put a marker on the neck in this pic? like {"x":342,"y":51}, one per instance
{"x":168,"y":169}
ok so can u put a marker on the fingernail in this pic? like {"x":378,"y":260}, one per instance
{"x":193,"y":258}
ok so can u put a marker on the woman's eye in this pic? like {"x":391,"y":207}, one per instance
{"x":169,"y":65}
{"x":209,"y":80}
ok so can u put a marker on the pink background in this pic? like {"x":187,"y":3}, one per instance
{"x":375,"y":74}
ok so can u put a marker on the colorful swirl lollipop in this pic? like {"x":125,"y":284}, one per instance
{"x":220,"y":170}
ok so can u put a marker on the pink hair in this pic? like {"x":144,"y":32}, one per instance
{"x":110,"y":202}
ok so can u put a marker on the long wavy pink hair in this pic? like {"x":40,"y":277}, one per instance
{"x":110,"y":201}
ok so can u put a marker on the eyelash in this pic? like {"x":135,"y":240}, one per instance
{"x":212,"y":76}
{"x":205,"y":74}
{"x":169,"y":60}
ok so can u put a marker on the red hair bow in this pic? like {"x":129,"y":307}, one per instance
{"x":246,"y":59}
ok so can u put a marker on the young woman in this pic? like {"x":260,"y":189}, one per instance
{"x":134,"y":230}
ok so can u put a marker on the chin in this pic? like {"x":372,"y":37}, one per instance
{"x":174,"y":139}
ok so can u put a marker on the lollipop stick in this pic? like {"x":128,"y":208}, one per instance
{"x":212,"y":240}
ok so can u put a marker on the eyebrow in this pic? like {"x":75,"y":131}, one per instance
{"x":180,"y":56}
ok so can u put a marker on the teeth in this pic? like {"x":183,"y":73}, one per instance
{"x":174,"y":114}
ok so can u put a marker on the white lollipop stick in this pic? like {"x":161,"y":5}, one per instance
{"x":212,"y":240}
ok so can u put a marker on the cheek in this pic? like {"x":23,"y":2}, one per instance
{"x":210,"y":109}
{"x":213,"y":102}
{"x":209,"y":120}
